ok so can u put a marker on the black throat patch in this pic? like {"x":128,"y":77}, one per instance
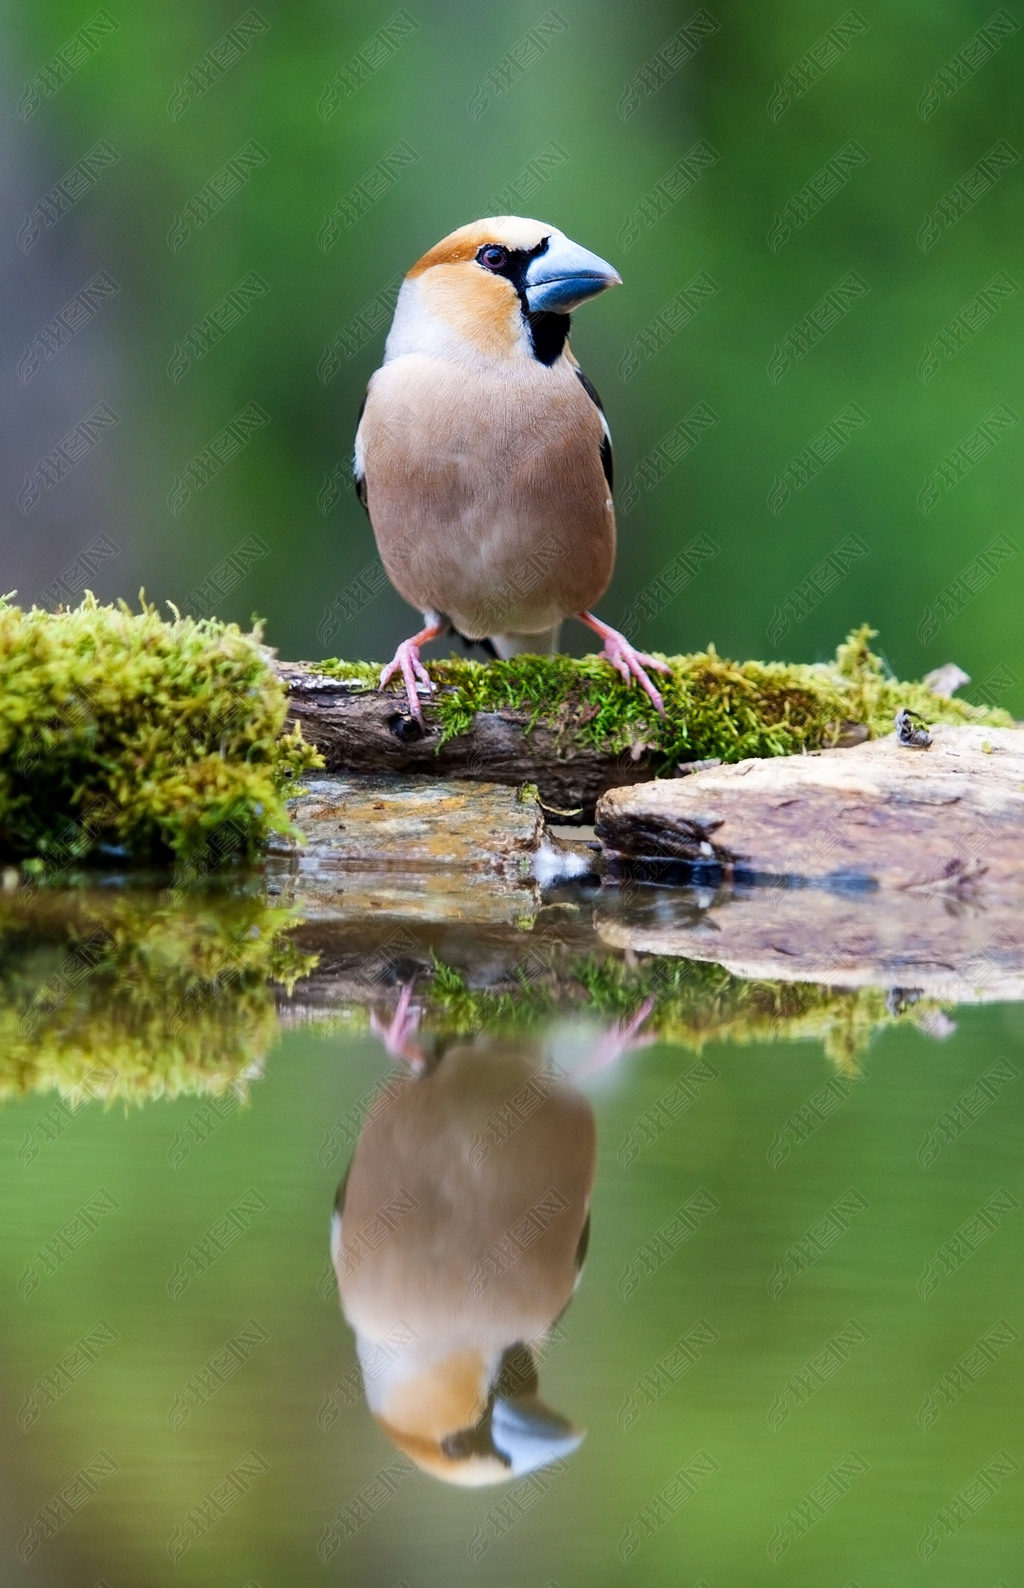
{"x":548,"y":331}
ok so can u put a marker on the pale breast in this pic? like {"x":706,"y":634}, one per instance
{"x":486,"y":491}
{"x":435,"y":1152}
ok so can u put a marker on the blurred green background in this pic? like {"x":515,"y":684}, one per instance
{"x":537,"y":105}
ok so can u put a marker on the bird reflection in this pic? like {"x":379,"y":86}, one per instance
{"x":458,"y":1239}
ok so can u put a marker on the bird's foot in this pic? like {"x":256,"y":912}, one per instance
{"x":627,"y":661}
{"x":398,"y":1034}
{"x":622,"y":1037}
{"x":407,"y":662}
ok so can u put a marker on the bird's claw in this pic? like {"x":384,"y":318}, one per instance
{"x":630,"y":663}
{"x":620,"y":1038}
{"x":407,"y":662}
{"x":397,"y":1034}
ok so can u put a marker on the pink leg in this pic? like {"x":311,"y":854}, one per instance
{"x":398,"y":1033}
{"x":627,"y":661}
{"x":407,"y":662}
{"x":617,"y":1040}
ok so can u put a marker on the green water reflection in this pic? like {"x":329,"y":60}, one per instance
{"x":794,"y":1349}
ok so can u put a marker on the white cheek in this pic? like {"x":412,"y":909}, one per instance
{"x":406,"y":325}
{"x":415,"y":330}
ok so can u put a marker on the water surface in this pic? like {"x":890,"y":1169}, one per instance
{"x":793,"y":1351}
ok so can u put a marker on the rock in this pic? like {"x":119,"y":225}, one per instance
{"x":914,"y":943}
{"x":946,"y":819}
{"x":423,"y":847}
{"x":418,"y":821}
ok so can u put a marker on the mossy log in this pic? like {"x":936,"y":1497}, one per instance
{"x":359,"y":730}
{"x":123,"y":735}
{"x":120,"y":995}
{"x":130,"y":994}
{"x":574,"y":730}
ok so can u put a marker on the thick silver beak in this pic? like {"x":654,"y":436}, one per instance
{"x":565,"y":276}
{"x":530,"y":1434}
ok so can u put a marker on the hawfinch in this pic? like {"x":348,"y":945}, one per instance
{"x":458,"y":1240}
{"x":483,"y":456}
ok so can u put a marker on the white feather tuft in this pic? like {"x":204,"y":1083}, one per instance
{"x":551,"y":865}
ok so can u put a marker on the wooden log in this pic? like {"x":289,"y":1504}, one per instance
{"x":471,"y":976}
{"x":359,"y":730}
{"x":572,"y":728}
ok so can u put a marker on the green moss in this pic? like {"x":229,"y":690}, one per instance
{"x":713,"y":707}
{"x":120,"y":730}
{"x":127,"y":996}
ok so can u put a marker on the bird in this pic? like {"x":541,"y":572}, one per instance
{"x":457,"y":1247}
{"x":483,"y":456}
{"x":459,"y":1236}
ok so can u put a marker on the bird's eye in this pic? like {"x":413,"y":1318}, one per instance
{"x":492,"y":256}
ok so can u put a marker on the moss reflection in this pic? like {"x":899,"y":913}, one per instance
{"x":131,"y":995}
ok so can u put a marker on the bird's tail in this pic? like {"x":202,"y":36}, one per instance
{"x":543,"y":644}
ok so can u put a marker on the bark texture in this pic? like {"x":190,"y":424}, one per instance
{"x":362,"y":731}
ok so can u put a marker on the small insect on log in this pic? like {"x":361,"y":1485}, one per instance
{"x":907,"y":731}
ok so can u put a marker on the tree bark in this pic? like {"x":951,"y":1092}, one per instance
{"x":364,"y":731}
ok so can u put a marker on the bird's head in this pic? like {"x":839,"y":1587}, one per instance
{"x":471,"y":1421}
{"x":504,"y":287}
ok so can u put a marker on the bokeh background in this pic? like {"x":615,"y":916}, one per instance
{"x":335,"y":143}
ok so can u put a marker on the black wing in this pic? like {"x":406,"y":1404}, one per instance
{"x":607,"y":463}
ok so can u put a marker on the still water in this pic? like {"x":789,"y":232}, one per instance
{"x":655,"y":1277}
